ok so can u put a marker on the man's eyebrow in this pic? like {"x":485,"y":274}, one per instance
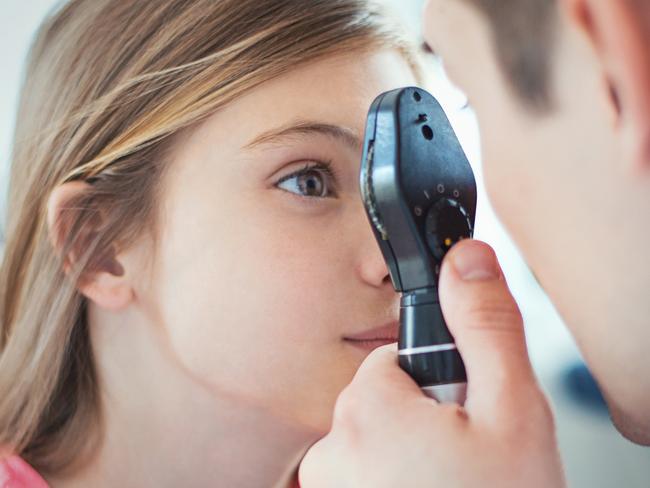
{"x":306,"y":127}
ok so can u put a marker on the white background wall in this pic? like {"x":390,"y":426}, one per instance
{"x":18,"y":21}
{"x":595,"y":455}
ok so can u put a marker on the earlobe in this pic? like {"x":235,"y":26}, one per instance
{"x":107,"y":292}
{"x":104,"y":279}
{"x":619,"y":32}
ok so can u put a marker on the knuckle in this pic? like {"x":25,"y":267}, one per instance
{"x":452,"y":415}
{"x":347,"y":422}
{"x":375,"y":359}
{"x":360,"y":408}
{"x":493,"y":316}
{"x":540,"y":409}
{"x":347,"y":408}
{"x":532,"y":417}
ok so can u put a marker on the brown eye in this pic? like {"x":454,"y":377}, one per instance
{"x":309,"y":183}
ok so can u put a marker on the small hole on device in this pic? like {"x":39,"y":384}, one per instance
{"x":417,"y":97}
{"x":427,"y":132}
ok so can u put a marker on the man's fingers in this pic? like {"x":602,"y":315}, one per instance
{"x":318,"y":463}
{"x":381,"y":376}
{"x":370,"y":403}
{"x":381,"y":373}
{"x":486,"y":323}
{"x":379,"y":389}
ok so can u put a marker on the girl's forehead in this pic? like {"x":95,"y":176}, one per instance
{"x":336,"y":90}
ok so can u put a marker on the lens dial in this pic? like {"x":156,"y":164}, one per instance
{"x":447,"y":223}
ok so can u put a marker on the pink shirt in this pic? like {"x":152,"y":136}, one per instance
{"x":16,"y":473}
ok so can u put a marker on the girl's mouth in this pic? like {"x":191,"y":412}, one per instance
{"x":371,"y":344}
{"x":375,"y":337}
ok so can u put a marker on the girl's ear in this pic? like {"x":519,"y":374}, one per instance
{"x":104,"y":281}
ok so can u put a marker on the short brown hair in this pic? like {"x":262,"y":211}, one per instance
{"x":523,"y":35}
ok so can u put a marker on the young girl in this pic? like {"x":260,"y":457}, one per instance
{"x":189,"y":278}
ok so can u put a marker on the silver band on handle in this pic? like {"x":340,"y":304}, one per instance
{"x":427,"y":349}
{"x":447,"y":393}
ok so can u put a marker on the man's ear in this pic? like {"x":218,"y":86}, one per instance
{"x":104,"y":280}
{"x":619,"y":31}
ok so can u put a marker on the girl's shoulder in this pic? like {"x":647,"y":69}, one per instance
{"x":16,"y":473}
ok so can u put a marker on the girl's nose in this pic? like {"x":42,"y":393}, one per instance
{"x":372,"y":266}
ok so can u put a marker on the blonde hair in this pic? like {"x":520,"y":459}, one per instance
{"x":109,"y":82}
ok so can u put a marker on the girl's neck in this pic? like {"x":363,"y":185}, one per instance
{"x":248,"y":449}
{"x":163,"y":430}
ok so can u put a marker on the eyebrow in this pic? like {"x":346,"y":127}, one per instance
{"x":307,"y":127}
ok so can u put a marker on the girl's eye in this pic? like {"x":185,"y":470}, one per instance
{"x":316,"y":181}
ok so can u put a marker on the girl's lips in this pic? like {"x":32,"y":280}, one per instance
{"x":370,"y":345}
{"x":375,"y":337}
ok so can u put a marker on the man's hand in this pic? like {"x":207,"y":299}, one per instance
{"x":387,"y":433}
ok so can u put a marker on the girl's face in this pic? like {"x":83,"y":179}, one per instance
{"x":265,"y":267}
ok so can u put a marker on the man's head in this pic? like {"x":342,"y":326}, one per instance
{"x":561,"y":89}
{"x":523,"y":36}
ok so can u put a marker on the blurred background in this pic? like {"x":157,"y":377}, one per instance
{"x":594,"y":454}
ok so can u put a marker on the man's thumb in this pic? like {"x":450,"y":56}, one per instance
{"x":486,"y":323}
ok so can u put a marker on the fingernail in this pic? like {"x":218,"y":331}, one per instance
{"x":475,"y":261}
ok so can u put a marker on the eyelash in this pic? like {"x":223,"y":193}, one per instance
{"x":325,"y":167}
